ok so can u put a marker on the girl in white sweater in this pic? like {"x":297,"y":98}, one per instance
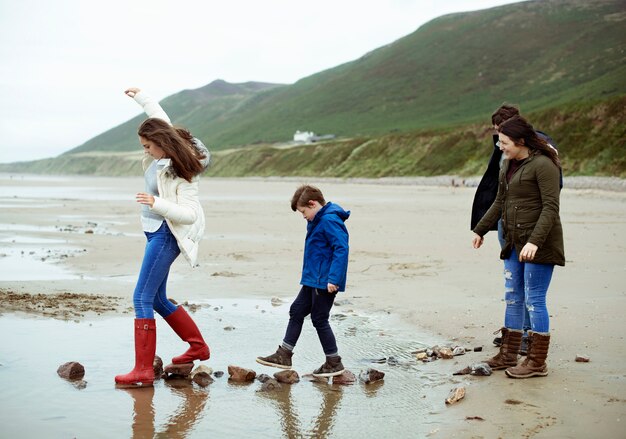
{"x":173,"y":222}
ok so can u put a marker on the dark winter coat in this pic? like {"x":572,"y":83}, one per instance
{"x":326,"y":249}
{"x":529,"y":208}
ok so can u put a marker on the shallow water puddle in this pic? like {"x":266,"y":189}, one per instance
{"x":35,"y":402}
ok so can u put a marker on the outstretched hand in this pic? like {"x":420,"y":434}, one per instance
{"x":131,"y":91}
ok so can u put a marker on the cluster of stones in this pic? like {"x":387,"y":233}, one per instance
{"x":446,"y":352}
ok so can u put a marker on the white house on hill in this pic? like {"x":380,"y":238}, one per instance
{"x":304,"y":136}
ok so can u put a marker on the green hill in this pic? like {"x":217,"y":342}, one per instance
{"x":560,"y":60}
{"x":591,"y":137}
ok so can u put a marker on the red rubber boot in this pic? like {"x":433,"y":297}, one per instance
{"x":145,"y":348}
{"x":187,"y":330}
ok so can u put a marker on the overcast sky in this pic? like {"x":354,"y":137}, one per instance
{"x":65,"y":63}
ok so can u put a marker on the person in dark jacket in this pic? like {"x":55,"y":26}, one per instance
{"x":528,"y":205}
{"x":324,"y":273}
{"x":488,"y":188}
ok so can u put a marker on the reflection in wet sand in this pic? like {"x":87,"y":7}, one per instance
{"x":180,"y":423}
{"x":289,"y":416}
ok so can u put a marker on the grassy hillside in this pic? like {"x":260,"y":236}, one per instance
{"x":591,"y":137}
{"x":451,"y":71}
{"x":597,"y":129}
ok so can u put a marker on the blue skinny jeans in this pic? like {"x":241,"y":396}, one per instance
{"x":502,"y":243}
{"x":526,"y":286}
{"x":318,"y":303}
{"x":150,"y":293}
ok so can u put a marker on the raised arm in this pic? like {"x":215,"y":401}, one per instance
{"x":150,"y":105}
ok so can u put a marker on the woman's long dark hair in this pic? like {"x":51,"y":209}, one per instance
{"x":177,"y":143}
{"x":522,"y":133}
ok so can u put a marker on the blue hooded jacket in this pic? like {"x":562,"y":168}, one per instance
{"x":326,"y":249}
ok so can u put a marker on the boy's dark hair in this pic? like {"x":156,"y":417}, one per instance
{"x":505,"y":112}
{"x":304,"y":194}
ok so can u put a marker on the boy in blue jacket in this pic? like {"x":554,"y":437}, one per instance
{"x":323,"y":275}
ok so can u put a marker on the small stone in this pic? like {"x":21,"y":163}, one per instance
{"x":270,"y":385}
{"x":218,"y":374}
{"x":445,"y":353}
{"x":72,"y":370}
{"x":276,"y":301}
{"x":346,"y":377}
{"x":178,"y":370}
{"x":229,"y":328}
{"x":201,"y":369}
{"x":371,"y":375}
{"x":263,"y":377}
{"x":455,"y":395}
{"x":582,"y":359}
{"x":313,"y":379}
{"x":480,"y":369}
{"x":287,"y":376}
{"x":157,"y":365}
{"x":421,"y":355}
{"x":459,"y":350}
{"x":240,"y":374}
{"x":478,"y":349}
{"x":202,"y":379}
{"x":464,"y":371}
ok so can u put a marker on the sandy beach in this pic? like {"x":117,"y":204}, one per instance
{"x":411,"y":256}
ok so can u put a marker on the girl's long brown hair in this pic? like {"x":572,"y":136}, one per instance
{"x":522,"y":133}
{"x":177,"y":143}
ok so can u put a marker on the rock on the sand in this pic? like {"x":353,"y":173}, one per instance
{"x":240,"y":374}
{"x":270,"y":385}
{"x":287,"y":376}
{"x":346,"y":377}
{"x":72,"y":370}
{"x":582,"y":359}
{"x":479,"y":369}
{"x":157,"y":365}
{"x":455,"y":395}
{"x":371,"y":375}
{"x":181,"y":370}
{"x":201,"y":375}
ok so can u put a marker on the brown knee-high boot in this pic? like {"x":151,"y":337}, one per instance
{"x":185,"y":327}
{"x":535,"y":363}
{"x":507,"y":357}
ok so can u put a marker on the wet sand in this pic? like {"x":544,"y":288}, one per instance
{"x":411,"y":257}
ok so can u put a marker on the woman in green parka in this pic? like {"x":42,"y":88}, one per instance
{"x":528,"y":203}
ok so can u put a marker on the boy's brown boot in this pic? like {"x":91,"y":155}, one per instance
{"x":507,"y":357}
{"x":332,"y":367}
{"x":535,"y":363}
{"x":281,"y":358}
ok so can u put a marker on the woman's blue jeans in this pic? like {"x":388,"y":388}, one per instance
{"x":318,"y":303}
{"x":502,"y":244}
{"x":526,"y":286}
{"x":150,"y":294}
